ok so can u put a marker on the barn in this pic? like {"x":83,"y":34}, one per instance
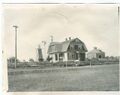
{"x":68,"y":50}
{"x":95,"y":53}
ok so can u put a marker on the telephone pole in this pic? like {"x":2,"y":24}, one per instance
{"x":15,"y":26}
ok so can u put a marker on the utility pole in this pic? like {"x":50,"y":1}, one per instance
{"x":15,"y":26}
{"x":39,"y":54}
{"x":118,"y":16}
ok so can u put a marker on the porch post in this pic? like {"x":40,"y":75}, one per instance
{"x":58,"y":56}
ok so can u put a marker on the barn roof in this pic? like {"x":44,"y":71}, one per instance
{"x":61,"y":46}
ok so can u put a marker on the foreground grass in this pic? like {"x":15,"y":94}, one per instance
{"x":95,"y":78}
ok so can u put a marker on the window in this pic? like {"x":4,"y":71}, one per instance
{"x":100,"y":56}
{"x":72,"y":56}
{"x":61,"y":55}
{"x":76,"y":56}
{"x":56,"y":57}
{"x":82,"y":56}
{"x":76,"y":47}
{"x":68,"y":56}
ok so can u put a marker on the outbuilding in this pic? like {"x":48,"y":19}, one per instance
{"x":96,"y":53}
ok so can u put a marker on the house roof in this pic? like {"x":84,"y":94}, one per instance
{"x":61,"y":46}
{"x":95,"y":50}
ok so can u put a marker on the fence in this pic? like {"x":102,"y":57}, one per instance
{"x":62,"y":64}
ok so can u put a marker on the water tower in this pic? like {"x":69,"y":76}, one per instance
{"x":39,"y":53}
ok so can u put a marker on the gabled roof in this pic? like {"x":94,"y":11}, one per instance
{"x":62,"y":46}
{"x":54,"y":47}
{"x":65,"y":45}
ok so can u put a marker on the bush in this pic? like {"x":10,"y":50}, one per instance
{"x":40,"y":59}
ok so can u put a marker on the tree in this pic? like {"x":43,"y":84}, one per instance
{"x":31,"y":60}
{"x":12,"y":60}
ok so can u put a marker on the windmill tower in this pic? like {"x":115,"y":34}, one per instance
{"x":39,"y":53}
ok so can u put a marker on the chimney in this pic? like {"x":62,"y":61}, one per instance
{"x":69,"y":38}
{"x":51,"y":38}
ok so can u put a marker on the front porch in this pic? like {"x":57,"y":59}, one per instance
{"x":68,"y":56}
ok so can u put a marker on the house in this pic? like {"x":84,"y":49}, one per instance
{"x":96,"y":53}
{"x":68,"y":50}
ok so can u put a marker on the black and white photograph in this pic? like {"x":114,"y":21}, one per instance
{"x":61,"y":47}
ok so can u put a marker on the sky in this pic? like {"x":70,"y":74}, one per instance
{"x":94,"y":24}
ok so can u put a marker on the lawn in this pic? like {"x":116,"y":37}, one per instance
{"x":84,"y":78}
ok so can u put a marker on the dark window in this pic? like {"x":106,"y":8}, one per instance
{"x":56,"y":57}
{"x":72,"y":56}
{"x":76,"y":47}
{"x":100,"y":56}
{"x":68,"y":56}
{"x":61,"y":54}
{"x":82,"y":56}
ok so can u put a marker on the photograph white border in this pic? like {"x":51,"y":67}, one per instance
{"x":2,"y":80}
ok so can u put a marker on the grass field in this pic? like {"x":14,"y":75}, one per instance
{"x":85,"y":78}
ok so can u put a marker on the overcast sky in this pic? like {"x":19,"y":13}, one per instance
{"x":95,"y":25}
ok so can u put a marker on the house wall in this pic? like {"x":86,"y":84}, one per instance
{"x":100,"y":55}
{"x":65,"y":58}
{"x":53,"y":57}
{"x":91,"y":55}
{"x":95,"y":55}
{"x":71,"y":56}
